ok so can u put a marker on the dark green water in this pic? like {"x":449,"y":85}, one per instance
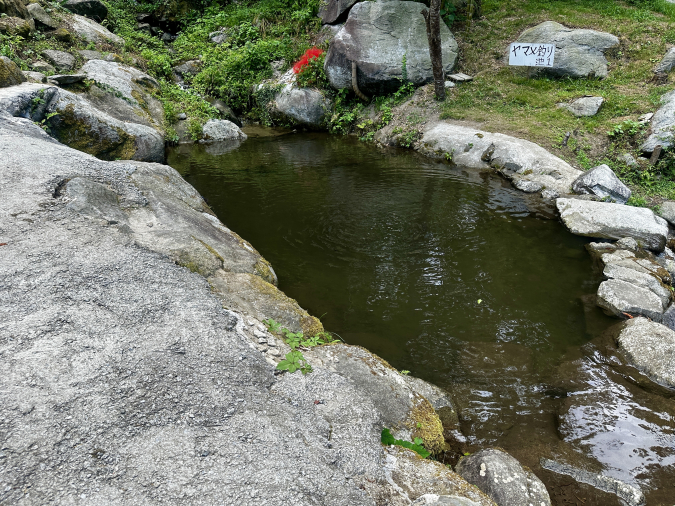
{"x":448,"y":273}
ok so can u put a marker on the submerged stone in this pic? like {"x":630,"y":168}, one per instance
{"x":503,"y":479}
{"x":650,"y":347}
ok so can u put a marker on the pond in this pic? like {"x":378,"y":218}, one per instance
{"x":455,"y":276}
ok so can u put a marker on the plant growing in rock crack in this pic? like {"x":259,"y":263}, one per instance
{"x":43,"y":122}
{"x":417,"y":445}
{"x":294,"y":361}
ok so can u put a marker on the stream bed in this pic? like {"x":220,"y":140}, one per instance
{"x":455,"y":276}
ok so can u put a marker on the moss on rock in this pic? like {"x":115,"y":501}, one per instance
{"x":103,"y":141}
{"x":10,"y":73}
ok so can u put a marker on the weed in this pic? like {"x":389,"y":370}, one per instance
{"x":628,"y":128}
{"x":294,"y":361}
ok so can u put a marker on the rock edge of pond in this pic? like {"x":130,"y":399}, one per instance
{"x":133,"y":349}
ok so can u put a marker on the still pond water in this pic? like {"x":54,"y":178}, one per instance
{"x":455,"y":276}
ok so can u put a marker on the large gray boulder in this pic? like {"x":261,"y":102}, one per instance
{"x":650,"y":347}
{"x":523,"y":162}
{"x":378,"y":36}
{"x":79,"y":125}
{"x":93,"y":9}
{"x":503,"y":479}
{"x":332,"y":11}
{"x":602,"y":181}
{"x":662,"y":125}
{"x":613,"y":221}
{"x":124,"y":93}
{"x":10,"y":73}
{"x":60,"y":59}
{"x":302,"y":106}
{"x":578,"y":53}
{"x":222,"y":130}
{"x":91,"y":31}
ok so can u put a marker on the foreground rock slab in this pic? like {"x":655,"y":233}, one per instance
{"x":378,"y":36}
{"x":528,"y":165}
{"x":650,"y":347}
{"x":503,"y":479}
{"x":613,"y":221}
{"x":118,"y":360}
{"x":602,"y":182}
{"x":578,"y":53}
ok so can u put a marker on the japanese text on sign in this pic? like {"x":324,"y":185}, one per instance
{"x":531,"y":55}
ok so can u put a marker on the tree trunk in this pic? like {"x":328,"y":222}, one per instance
{"x":433,"y":20}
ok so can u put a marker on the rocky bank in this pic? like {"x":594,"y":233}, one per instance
{"x":132,"y":374}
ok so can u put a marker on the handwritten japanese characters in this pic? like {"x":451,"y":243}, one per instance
{"x":524,"y":54}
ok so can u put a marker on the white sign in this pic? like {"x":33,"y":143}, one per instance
{"x":526,"y":54}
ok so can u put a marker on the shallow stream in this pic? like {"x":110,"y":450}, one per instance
{"x":453,"y":275}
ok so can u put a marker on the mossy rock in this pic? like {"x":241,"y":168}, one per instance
{"x":16,"y":26}
{"x":62,"y":35}
{"x":10,"y":73}
{"x":76,"y":131}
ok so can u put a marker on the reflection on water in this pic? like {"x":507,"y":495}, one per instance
{"x":448,"y":273}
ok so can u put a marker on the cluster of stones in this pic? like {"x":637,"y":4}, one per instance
{"x":639,"y":267}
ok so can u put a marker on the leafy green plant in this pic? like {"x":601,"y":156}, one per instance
{"x":626,"y":128}
{"x":272,"y":326}
{"x":294,"y":361}
{"x":637,"y":201}
{"x":416,"y":445}
{"x":43,"y":122}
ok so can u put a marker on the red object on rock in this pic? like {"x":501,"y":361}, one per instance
{"x":310,"y":54}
